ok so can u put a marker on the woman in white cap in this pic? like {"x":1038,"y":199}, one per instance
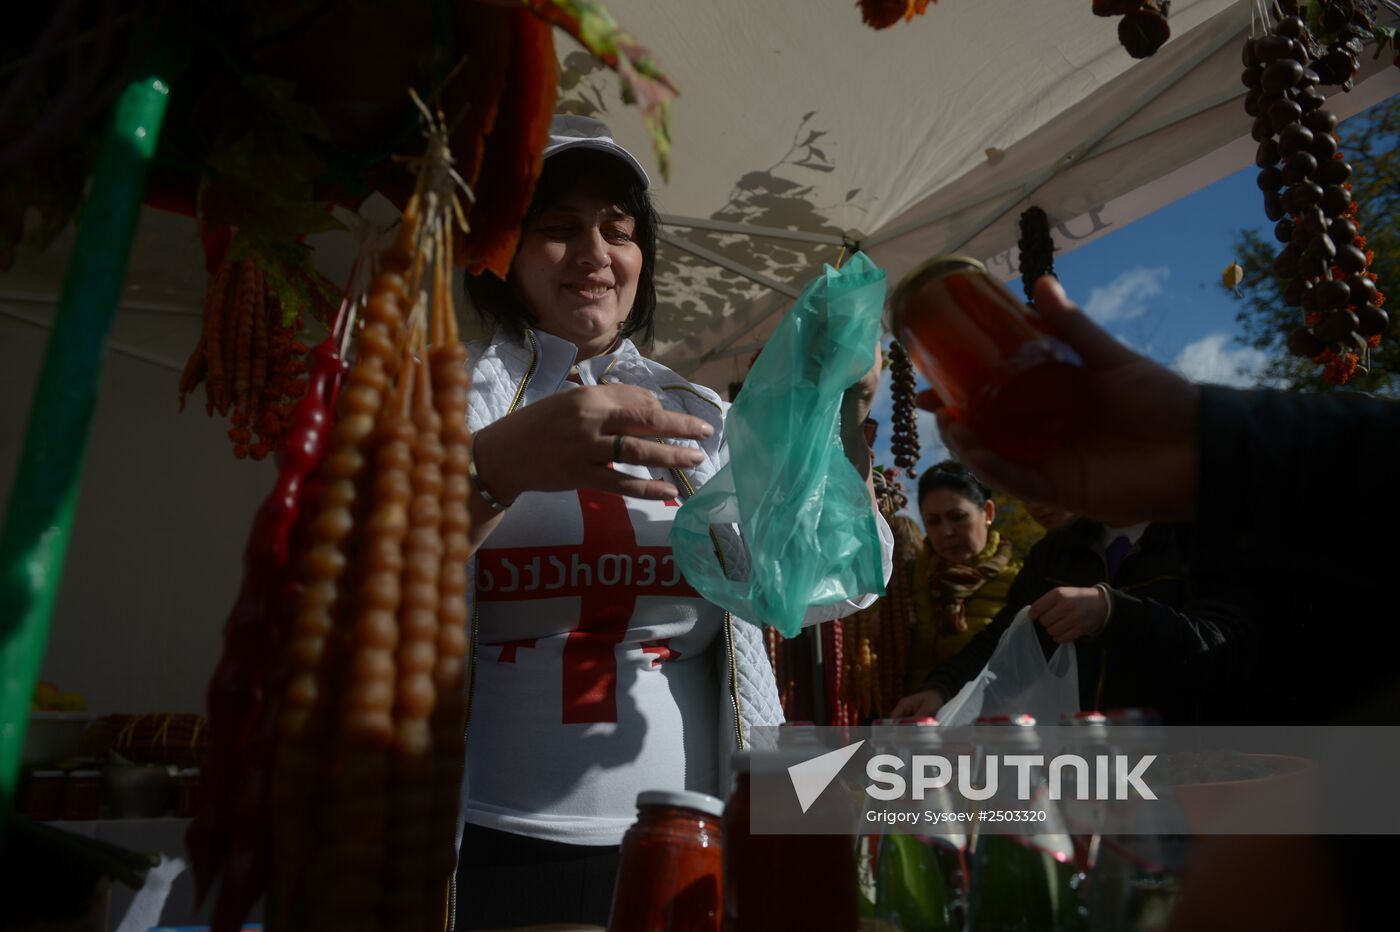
{"x":597,"y":671}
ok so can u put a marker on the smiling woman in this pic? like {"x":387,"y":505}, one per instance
{"x":598,"y":671}
{"x":584,"y":266}
{"x":578,"y":265}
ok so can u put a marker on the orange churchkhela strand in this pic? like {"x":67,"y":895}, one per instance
{"x":371,"y":740}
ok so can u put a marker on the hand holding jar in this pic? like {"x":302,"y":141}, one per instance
{"x":1133,"y":453}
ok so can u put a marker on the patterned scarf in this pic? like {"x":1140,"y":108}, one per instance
{"x":952,"y":584}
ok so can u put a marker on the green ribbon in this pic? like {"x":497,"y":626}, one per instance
{"x":39,"y":521}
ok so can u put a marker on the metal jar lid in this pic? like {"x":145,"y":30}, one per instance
{"x":683,"y":799}
{"x":936,"y":267}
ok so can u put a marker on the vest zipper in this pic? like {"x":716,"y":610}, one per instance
{"x":471,"y":656}
{"x":728,"y":622}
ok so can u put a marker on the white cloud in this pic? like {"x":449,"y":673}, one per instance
{"x":1126,"y":296}
{"x":931,"y":446}
{"x":1212,"y":359}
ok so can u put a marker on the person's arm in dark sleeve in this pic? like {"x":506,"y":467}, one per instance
{"x":1029,"y":585}
{"x":1214,"y":635}
{"x":1270,"y":462}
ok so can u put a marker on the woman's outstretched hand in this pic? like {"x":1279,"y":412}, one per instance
{"x":568,"y":440}
{"x":1137,"y":457}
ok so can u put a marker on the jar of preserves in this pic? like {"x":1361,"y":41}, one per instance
{"x":779,"y":882}
{"x":989,"y":359}
{"x":82,"y":800}
{"x":186,"y":792}
{"x":43,"y":795}
{"x":671,"y":867}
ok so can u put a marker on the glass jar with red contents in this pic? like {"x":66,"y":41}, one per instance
{"x":82,"y":799}
{"x":989,"y":359}
{"x":779,"y":882}
{"x":671,"y":868}
{"x":43,"y":795}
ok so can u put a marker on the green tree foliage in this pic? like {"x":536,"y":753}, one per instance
{"x":1016,"y":525}
{"x":1371,"y":143}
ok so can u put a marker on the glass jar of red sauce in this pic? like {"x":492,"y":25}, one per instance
{"x":82,"y":800}
{"x":774,"y":883}
{"x":43,"y":795}
{"x":989,"y":359}
{"x":671,"y":868}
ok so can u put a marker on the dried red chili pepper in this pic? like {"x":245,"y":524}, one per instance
{"x":230,"y":829}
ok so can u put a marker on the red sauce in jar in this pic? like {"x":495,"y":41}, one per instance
{"x":779,"y":882}
{"x":83,"y":799}
{"x":43,"y":795}
{"x":671,"y":868}
{"x":989,"y":358}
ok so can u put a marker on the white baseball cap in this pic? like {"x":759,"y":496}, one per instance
{"x":569,"y":131}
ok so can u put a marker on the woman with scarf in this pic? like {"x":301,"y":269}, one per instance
{"x":964,"y":571}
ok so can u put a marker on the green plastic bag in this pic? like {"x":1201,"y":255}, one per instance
{"x":801,"y":508}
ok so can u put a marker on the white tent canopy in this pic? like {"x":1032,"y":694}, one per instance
{"x":925,"y":138}
{"x":799,"y":133}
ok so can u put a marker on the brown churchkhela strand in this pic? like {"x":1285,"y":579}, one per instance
{"x":450,"y":381}
{"x":358,"y":799}
{"x":305,"y":719}
{"x":411,"y":777}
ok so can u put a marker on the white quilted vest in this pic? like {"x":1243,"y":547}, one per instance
{"x":498,"y":370}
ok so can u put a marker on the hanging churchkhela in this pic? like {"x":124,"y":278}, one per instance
{"x":1305,"y":181}
{"x":1143,"y":28}
{"x":380,"y":631}
{"x":1036,"y":249}
{"x":904,"y":440}
{"x":350,"y":823}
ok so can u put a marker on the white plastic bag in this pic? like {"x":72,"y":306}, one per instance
{"x":1018,"y":680}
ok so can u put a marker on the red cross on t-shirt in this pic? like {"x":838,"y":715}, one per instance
{"x":606,"y":572}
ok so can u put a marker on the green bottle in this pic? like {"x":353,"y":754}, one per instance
{"x":1023,"y":883}
{"x":917,"y":884}
{"x":920,"y":880}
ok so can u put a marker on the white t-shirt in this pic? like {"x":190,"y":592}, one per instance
{"x":570,"y":722}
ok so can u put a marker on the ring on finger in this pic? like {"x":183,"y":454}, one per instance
{"x":617,"y":448}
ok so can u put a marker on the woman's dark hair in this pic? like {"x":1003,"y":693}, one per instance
{"x":498,"y":302}
{"x":956,"y":477}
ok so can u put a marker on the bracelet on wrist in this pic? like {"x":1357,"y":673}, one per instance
{"x":496,"y":504}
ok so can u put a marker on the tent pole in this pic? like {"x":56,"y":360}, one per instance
{"x":1032,"y":182}
{"x":119,"y":348}
{"x":139,"y":307}
{"x":1020,"y":184}
{"x":1077,"y":156}
{"x":743,"y":229}
{"x":714,"y":258}
{"x":34,"y":540}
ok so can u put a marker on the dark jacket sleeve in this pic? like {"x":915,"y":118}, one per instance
{"x":1028,"y":586}
{"x":1296,"y":494}
{"x":1212,"y":636}
{"x":1299,"y":483}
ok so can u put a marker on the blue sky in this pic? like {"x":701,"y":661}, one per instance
{"x":1156,"y":285}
